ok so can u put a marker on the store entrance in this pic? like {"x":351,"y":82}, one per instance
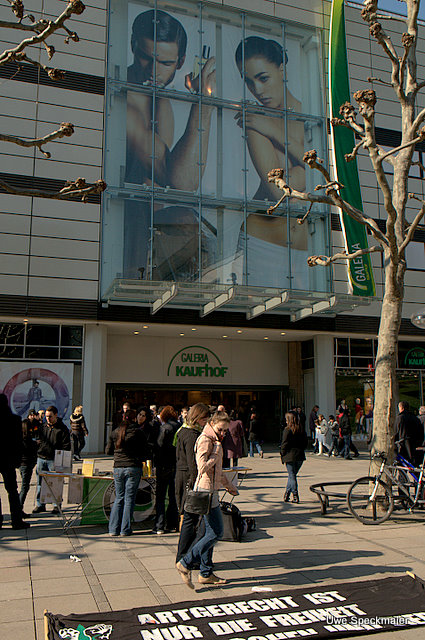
{"x":270,"y":402}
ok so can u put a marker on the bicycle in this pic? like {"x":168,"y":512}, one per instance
{"x":371,"y":500}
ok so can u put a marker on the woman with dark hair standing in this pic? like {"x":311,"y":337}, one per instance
{"x":165,"y":464}
{"x":292,"y":453}
{"x":127,"y":443}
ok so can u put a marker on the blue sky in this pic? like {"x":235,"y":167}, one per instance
{"x":396,"y":7}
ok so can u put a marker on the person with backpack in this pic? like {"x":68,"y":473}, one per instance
{"x":292,"y":453}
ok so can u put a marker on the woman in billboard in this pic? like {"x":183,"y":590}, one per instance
{"x":263,"y":76}
{"x":261,"y":63}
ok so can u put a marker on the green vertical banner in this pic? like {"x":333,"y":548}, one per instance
{"x":360,"y":269}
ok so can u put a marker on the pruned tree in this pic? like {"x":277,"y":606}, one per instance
{"x":38,"y":32}
{"x":398,"y":230}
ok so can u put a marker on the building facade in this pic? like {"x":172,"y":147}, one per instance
{"x":178,"y":286}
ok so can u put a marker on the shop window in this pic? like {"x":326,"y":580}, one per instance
{"x":71,"y":336}
{"x":42,"y":334}
{"x":11,"y":351}
{"x":361,"y":348}
{"x":307,"y":354}
{"x":12,"y":333}
{"x":70,"y":354}
{"x":42,"y":353}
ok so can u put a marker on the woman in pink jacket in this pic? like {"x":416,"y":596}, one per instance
{"x":209,"y":456}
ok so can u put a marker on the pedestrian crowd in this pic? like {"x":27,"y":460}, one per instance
{"x":190,"y":452}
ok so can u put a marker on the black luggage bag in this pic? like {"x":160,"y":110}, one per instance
{"x":234,"y":526}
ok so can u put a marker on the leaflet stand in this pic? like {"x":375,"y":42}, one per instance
{"x":50,"y":479}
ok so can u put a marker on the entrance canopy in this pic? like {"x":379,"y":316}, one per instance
{"x":250,"y":300}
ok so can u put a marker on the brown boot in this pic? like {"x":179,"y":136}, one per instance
{"x":211,"y":579}
{"x":185,"y":574}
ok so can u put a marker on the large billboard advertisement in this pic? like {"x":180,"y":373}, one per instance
{"x":35,"y":385}
{"x":213,"y":101}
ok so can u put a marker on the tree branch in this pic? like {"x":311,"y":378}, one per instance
{"x":412,"y":228}
{"x":74,"y":6}
{"x":412,"y":143}
{"x":331,"y":197}
{"x":66,"y":129}
{"x":314,"y":261}
{"x":76,"y":189}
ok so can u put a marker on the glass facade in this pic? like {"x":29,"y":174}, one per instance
{"x":202,"y":102}
{"x":41,"y":342}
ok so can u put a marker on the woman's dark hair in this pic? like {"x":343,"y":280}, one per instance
{"x":129,"y":417}
{"x":168,"y":29}
{"x":233,"y":415}
{"x":168,"y":413}
{"x":331,"y":417}
{"x":147,"y":411}
{"x":291,"y":423}
{"x":256,"y":47}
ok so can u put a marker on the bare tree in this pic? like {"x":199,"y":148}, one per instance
{"x":37,"y":32}
{"x":398,"y":232}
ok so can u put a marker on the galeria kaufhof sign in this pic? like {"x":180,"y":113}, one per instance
{"x":196,"y":362}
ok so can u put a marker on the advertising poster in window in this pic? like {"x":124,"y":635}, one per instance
{"x":33,"y":385}
{"x":219,"y":97}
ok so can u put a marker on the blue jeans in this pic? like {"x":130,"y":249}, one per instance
{"x":200,"y":552}
{"x":251,"y":448}
{"x":126,"y":481}
{"x":347,"y":443}
{"x":42,"y":465}
{"x":292,"y":469}
{"x":26,"y":474}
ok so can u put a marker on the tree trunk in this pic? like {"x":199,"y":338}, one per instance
{"x":386,"y":361}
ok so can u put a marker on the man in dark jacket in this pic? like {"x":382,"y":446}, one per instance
{"x":53,"y":436}
{"x":10,"y":459}
{"x":408,"y":433}
{"x":345,"y":430}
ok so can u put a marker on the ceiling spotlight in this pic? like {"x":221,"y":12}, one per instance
{"x":266,"y":338}
{"x":136,"y":333}
{"x":224,"y":336}
{"x":181,"y":334}
{"x":418,"y":318}
{"x":282,"y":333}
{"x":145,"y":326}
{"x":238,"y":331}
{"x":25,"y":320}
{"x":193,"y":329}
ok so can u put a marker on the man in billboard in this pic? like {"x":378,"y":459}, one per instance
{"x":158,"y":43}
{"x":157,"y":63}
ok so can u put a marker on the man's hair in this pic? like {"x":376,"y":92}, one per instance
{"x":256,"y":47}
{"x":168,"y":29}
{"x":53,"y":409}
{"x":404,"y":405}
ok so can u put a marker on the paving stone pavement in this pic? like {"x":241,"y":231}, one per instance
{"x":293,"y":546}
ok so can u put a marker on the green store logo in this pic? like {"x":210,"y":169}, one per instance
{"x":196,"y":362}
{"x":415,"y":358}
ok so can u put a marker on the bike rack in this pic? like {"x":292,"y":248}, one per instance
{"x":323,"y":494}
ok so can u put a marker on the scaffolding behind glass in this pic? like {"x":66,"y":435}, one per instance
{"x":202,"y":102}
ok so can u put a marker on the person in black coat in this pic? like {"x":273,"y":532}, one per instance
{"x":10,"y":458}
{"x":30,"y":428}
{"x":53,"y":436}
{"x":292,"y":453}
{"x":165,"y":464}
{"x":408,"y":434}
{"x":127,"y":443}
{"x":186,"y":473}
{"x":345,"y":431}
{"x":255,"y":435}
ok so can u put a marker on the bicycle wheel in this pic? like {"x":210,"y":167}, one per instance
{"x":366,"y":509}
